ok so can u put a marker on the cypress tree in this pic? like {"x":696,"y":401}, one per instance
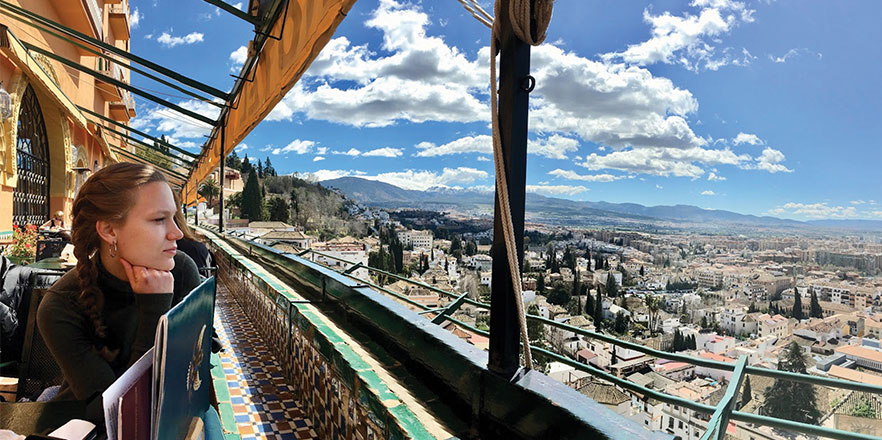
{"x":791,"y":400}
{"x":797,"y":306}
{"x":589,"y":306}
{"x":692,"y":345}
{"x":252,"y":202}
{"x":598,"y":309}
{"x":612,"y":290}
{"x":815,"y":310}
{"x":540,"y":284}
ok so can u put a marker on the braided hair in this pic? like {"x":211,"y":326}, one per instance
{"x":107,"y":195}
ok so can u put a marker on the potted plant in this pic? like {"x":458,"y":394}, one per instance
{"x":23,"y":248}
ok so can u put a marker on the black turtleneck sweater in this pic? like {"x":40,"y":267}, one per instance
{"x":131,"y":327}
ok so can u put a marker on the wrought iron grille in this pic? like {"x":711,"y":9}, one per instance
{"x":31,"y":196}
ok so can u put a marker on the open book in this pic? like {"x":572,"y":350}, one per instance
{"x":168,"y":388}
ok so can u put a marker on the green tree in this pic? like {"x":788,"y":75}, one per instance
{"x":791,"y":400}
{"x":278,"y":209}
{"x":471,"y":248}
{"x":260,"y":169}
{"x":209,"y":190}
{"x":815,"y":310}
{"x":653,"y":305}
{"x":746,"y":395}
{"x":598,"y":309}
{"x":268,"y":169}
{"x":233,"y":160}
{"x":535,"y":329}
{"x":252,"y":203}
{"x":246,"y":166}
{"x":540,"y":283}
{"x":612,"y":290}
{"x":797,"y":306}
{"x":589,"y":306}
{"x":703,"y":322}
{"x":621,"y":323}
{"x":641,"y":271}
{"x":560,"y":294}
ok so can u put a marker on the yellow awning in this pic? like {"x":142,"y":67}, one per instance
{"x":305,"y":28}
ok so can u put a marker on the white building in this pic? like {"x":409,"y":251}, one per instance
{"x":418,"y":239}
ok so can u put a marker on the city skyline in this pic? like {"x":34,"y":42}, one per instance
{"x":752,"y":107}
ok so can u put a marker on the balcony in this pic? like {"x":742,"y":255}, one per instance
{"x":82,"y":15}
{"x":317,"y":318}
{"x":109,"y":91}
{"x":124,"y":109}
{"x":118,"y":16}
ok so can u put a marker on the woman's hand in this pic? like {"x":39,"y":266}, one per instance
{"x":146,"y":280}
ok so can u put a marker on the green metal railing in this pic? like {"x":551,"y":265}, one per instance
{"x":719,"y":414}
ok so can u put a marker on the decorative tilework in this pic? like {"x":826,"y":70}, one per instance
{"x":264,"y":406}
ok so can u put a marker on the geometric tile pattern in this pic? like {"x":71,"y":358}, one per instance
{"x":264,"y":406}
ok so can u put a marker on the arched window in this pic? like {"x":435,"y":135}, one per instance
{"x":31,"y":196}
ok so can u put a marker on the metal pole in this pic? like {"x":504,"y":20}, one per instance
{"x":220,"y":218}
{"x":514,"y":67}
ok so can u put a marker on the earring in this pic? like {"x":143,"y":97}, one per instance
{"x":113,"y":249}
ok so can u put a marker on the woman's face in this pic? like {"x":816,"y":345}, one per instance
{"x":148,"y":236}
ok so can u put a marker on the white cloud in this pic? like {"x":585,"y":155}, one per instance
{"x":169,"y":122}
{"x":708,"y":193}
{"x":745,"y":138}
{"x":317,"y":158}
{"x":296,"y":146}
{"x":857,"y":202}
{"x":794,"y":53}
{"x":657,"y":186}
{"x":135,"y":18}
{"x":554,"y":147}
{"x":170,"y":41}
{"x":556,"y":190}
{"x":352,"y":152}
{"x":815,"y":210}
{"x":239,"y":55}
{"x":483,"y":159}
{"x":468,"y":144}
{"x":413,"y":179}
{"x":566,"y":174}
{"x":384,"y":152}
{"x":241,"y":147}
{"x":689,"y":39}
{"x":714,"y":177}
{"x":876,"y":214}
{"x":770,"y":161}
{"x":664,"y":161}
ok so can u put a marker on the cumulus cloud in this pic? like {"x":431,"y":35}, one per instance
{"x":664,"y":161}
{"x":770,"y":161}
{"x":421,"y":79}
{"x":554,"y":147}
{"x":168,"y":40}
{"x":857,"y":202}
{"x":815,"y":210}
{"x":239,"y":55}
{"x":135,"y":18}
{"x":468,"y":144}
{"x":420,"y":180}
{"x":557,"y":190}
{"x":745,"y":138}
{"x":708,"y":193}
{"x":689,"y":39}
{"x":714,"y":177}
{"x":351,"y":152}
{"x":317,"y":158}
{"x":384,"y":152}
{"x":297,"y":146}
{"x":571,"y":175}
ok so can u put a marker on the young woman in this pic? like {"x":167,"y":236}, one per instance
{"x":55,"y":223}
{"x":101,"y":316}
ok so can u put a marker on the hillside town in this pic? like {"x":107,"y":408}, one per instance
{"x":767,"y":298}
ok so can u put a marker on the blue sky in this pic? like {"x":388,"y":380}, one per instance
{"x":759,"y":107}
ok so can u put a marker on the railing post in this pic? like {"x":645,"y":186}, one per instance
{"x":514,"y":68}
{"x":716,"y":427}
{"x":220,"y":216}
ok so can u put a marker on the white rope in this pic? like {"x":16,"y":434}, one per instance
{"x":519,"y":15}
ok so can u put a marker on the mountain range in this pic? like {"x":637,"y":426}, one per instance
{"x":557,"y":211}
